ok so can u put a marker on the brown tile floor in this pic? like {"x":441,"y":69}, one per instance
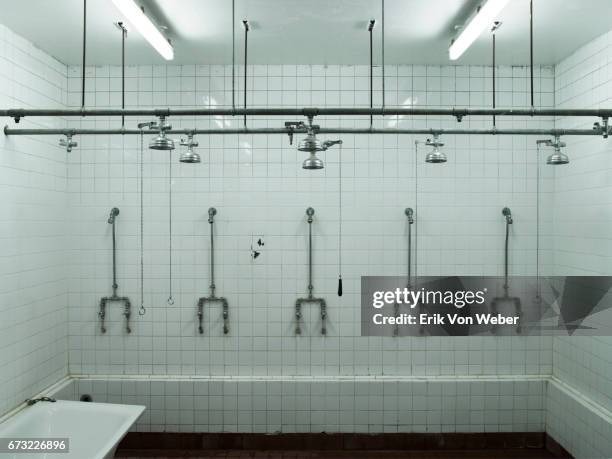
{"x":242,"y":454}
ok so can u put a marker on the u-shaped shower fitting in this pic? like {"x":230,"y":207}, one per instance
{"x":127,"y":305}
{"x":213,"y":298}
{"x":310,"y":299}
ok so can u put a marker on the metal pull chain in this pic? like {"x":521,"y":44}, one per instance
{"x":170,"y":300}
{"x":142,"y":311}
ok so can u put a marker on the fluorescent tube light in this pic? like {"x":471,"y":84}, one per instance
{"x":135,"y":16}
{"x":480,"y":22}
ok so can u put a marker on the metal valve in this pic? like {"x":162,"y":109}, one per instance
{"x":68,"y":143}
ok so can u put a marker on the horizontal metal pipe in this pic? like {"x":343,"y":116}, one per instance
{"x":543,"y":132}
{"x":388,"y":111}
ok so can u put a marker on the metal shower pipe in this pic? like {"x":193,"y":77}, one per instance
{"x":18,"y":113}
{"x":542,"y":132}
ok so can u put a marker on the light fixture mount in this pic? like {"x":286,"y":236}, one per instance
{"x":485,"y":15}
{"x":137,"y":17}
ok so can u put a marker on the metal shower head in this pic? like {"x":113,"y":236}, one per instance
{"x":310,"y":143}
{"x":557,"y":158}
{"x":508,"y":214}
{"x":161,"y":142}
{"x":435,"y":156}
{"x":190,"y":156}
{"x":113,"y":213}
{"x":313,"y":162}
{"x":313,"y":145}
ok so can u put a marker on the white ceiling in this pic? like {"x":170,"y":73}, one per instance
{"x":308,"y":31}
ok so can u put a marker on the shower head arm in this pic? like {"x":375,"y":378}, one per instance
{"x":556,"y":143}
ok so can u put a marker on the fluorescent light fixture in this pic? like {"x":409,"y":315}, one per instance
{"x":135,"y":16}
{"x":486,"y":15}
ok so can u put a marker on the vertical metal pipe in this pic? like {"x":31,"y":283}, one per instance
{"x":494,"y":28}
{"x":123,"y":34}
{"x":246,"y":55}
{"x":494,"y":88}
{"x":234,"y":54}
{"x":212,"y":259}
{"x":506,"y":255}
{"x":310,"y":212}
{"x":211,"y":213}
{"x":310,"y":257}
{"x":115,"y":286}
{"x":383,"y":54}
{"x":370,"y":29}
{"x":409,"y":213}
{"x":531,"y":48}
{"x":409,"y":255}
{"x":84,"y":52}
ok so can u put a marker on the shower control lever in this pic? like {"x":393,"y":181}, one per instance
{"x":310,"y":298}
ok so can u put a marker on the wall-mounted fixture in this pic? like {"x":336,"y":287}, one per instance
{"x":68,"y":143}
{"x":435,"y":156}
{"x":481,"y":21}
{"x":127,"y":305}
{"x":189,"y":156}
{"x":141,"y":22}
{"x":310,"y":298}
{"x":557,"y":158}
{"x":213,"y":298}
{"x":162,"y":142}
{"x":514,"y":303}
{"x":313,"y":145}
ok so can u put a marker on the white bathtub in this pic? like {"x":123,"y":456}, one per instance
{"x":93,"y":429}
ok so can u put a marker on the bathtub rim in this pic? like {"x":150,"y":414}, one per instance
{"x":133,"y":412}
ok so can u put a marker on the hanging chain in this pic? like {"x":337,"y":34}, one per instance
{"x":142,"y":311}
{"x":170,"y":299}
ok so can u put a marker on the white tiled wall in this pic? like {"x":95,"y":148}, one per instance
{"x":333,"y":404}
{"x":33,"y":282}
{"x":583,"y":246}
{"x":259,"y":189}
